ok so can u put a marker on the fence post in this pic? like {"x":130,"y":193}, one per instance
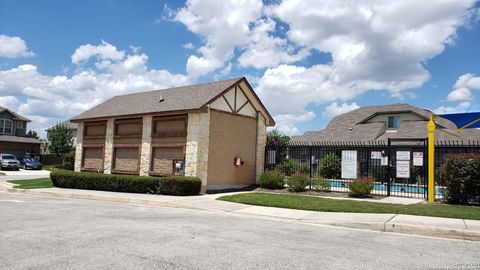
{"x":389,"y":180}
{"x":431,"y":160}
{"x":310,"y":157}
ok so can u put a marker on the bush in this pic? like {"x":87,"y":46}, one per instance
{"x":68,"y":161}
{"x":361,"y":187}
{"x":461,"y":176}
{"x":330,"y":166}
{"x":179,"y":185}
{"x":291,"y":166}
{"x":321,"y":184}
{"x":173,"y":185}
{"x":298,"y":182}
{"x":272,"y":180}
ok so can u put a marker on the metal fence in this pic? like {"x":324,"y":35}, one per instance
{"x":398,"y":166}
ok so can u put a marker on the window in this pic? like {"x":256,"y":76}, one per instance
{"x":394,"y":121}
{"x":21,"y":125}
{"x":6,"y":126}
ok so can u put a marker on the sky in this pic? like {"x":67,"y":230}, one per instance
{"x":307,"y":60}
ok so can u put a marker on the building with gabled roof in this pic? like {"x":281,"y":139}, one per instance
{"x":215,"y":131}
{"x":13,"y":139}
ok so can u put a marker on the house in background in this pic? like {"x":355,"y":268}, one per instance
{"x":68,"y":124}
{"x":215,"y":131}
{"x":378,"y":123}
{"x":13,"y":130}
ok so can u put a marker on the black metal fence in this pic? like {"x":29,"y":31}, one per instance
{"x":398,"y":166}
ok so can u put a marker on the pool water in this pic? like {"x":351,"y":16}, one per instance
{"x":393,"y":188}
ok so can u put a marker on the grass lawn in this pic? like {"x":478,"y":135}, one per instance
{"x":33,"y":183}
{"x":2,"y":174}
{"x":333,"y":205}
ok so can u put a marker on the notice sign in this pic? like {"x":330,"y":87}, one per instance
{"x":376,"y":155}
{"x":403,"y":169}
{"x":349,"y":164}
{"x":384,"y":161}
{"x":417,"y":158}
{"x":403,"y":155}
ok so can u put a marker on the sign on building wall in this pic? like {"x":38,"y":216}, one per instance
{"x":403,"y":168}
{"x":349,"y":164}
{"x":403,"y":155}
{"x":417,"y":158}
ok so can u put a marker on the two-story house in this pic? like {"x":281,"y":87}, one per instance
{"x":13,"y":130}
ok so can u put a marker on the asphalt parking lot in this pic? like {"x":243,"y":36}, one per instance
{"x":51,"y":233}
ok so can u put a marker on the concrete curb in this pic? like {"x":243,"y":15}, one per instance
{"x":390,"y":223}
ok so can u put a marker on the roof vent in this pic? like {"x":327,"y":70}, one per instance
{"x":161,"y":99}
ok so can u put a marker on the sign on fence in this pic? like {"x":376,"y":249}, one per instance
{"x":417,"y":158}
{"x":349,"y":164}
{"x":403,"y":168}
{"x":376,"y":155}
{"x":403,"y":155}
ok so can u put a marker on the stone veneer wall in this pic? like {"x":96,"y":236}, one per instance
{"x":261,"y":142}
{"x":79,"y":148}
{"x":196,"y":153}
{"x":107,"y":165}
{"x":145,"y":151}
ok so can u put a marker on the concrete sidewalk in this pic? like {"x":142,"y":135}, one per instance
{"x":420,"y":225}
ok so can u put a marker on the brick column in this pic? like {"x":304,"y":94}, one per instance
{"x":146,"y":148}
{"x":261,"y":142}
{"x":79,"y":148}
{"x":196,"y":157}
{"x":107,"y":165}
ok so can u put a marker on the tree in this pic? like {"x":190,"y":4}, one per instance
{"x":32,"y":134}
{"x":275,"y":137}
{"x":60,"y":140}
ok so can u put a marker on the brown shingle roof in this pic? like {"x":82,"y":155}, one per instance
{"x":185,"y":98}
{"x":351,"y":127}
{"x":15,"y":115}
{"x":17,"y":139}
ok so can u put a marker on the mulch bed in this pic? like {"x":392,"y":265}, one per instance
{"x":314,"y":193}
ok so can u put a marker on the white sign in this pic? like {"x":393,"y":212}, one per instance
{"x":384,"y":161}
{"x":376,"y":155}
{"x":417,"y":158}
{"x":349,"y":164}
{"x":403,"y":169}
{"x":403,"y":155}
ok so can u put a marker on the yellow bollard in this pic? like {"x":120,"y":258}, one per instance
{"x":431,"y":159}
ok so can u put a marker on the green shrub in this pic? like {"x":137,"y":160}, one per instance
{"x":298,"y":182}
{"x":461,"y":176}
{"x":272,"y":180}
{"x":68,"y":161}
{"x":179,"y":185}
{"x":330,"y":166}
{"x":173,"y":185}
{"x":291,"y":166}
{"x":321,"y":184}
{"x":361,"y":187}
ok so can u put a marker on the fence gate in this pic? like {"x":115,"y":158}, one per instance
{"x":407,"y":169}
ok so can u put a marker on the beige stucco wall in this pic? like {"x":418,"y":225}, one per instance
{"x":145,"y":154}
{"x":196,"y":152}
{"x":261,"y":142}
{"x":107,"y":164}
{"x":231,"y":136}
{"x":79,"y":148}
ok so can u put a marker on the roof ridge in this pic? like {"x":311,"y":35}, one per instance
{"x":236,"y":79}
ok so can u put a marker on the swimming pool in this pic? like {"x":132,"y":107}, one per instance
{"x":393,"y":187}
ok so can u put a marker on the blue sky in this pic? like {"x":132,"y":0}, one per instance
{"x":308,"y":62}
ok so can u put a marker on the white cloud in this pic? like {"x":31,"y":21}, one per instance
{"x":229,"y":25}
{"x":104,"y":51}
{"x":333,"y":109}
{"x":49,"y":99}
{"x":188,"y":45}
{"x":460,"y":94}
{"x":12,"y":47}
{"x":286,"y":122}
